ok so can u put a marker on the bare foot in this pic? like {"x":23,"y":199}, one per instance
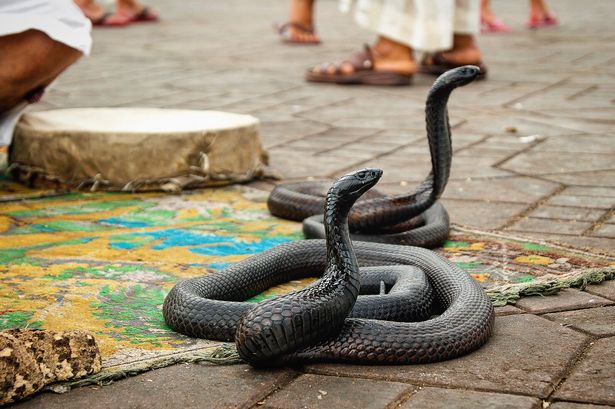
{"x":298,"y":33}
{"x":540,"y":16}
{"x":300,"y":28}
{"x":464,"y":51}
{"x":129,"y":7}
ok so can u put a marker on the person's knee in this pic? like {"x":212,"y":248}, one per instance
{"x":30,"y":60}
{"x":32,"y":55}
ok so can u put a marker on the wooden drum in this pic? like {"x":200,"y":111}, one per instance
{"x":135,"y":149}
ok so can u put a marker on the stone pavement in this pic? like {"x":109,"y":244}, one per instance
{"x":534,"y":154}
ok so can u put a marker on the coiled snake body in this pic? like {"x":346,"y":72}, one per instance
{"x":413,"y":219}
{"x":313,"y":324}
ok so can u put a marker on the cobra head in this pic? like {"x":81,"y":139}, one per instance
{"x":350,"y":187}
{"x":457,"y":77}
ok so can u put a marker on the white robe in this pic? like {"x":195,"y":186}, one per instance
{"x":426,"y":25}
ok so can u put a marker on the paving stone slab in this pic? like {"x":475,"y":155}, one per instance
{"x":517,"y":189}
{"x":605,"y":230}
{"x":583,"y":178}
{"x":590,"y":191}
{"x":498,"y":123}
{"x":598,"y":245}
{"x":513,"y":361}
{"x":300,"y":165}
{"x":511,"y":140}
{"x":593,"y":379}
{"x":178,"y":386}
{"x":566,"y":299}
{"x":482,"y":214}
{"x":508,"y":310}
{"x":277,"y":133}
{"x":595,"y":321}
{"x":532,"y":224}
{"x":567,"y":213}
{"x":570,"y":198}
{"x":579,"y":143}
{"x":438,"y":398}
{"x":573,"y":405}
{"x":605,"y":289}
{"x":317,"y":391}
{"x":544,"y":162}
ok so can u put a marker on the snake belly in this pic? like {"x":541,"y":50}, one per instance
{"x":391,"y":219}
{"x":317,"y":322}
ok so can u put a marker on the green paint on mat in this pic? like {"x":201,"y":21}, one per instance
{"x":134,"y":311}
{"x":81,"y":208}
{"x":449,"y":244}
{"x":468,"y":265}
{"x":65,"y":275}
{"x":258,"y":298}
{"x":534,"y":246}
{"x":18,"y":319}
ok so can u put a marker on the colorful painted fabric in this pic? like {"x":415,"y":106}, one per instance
{"x":104,"y":262}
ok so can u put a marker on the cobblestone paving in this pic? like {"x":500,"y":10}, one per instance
{"x":534,"y":154}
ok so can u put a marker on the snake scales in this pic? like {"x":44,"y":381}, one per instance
{"x":314,"y":324}
{"x":415,"y":219}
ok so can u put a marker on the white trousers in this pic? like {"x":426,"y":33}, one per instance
{"x":426,"y":25}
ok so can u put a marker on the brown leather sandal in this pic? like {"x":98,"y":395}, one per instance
{"x":436,"y":64}
{"x":363,"y":72}
{"x":284,"y":33}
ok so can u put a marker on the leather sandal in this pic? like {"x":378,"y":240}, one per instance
{"x":363,"y":72}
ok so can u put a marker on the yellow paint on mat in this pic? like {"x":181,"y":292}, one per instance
{"x":534,"y":259}
{"x":64,"y":288}
{"x":472,"y":247}
{"x":5,"y":223}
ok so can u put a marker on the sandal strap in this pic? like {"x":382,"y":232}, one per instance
{"x":283,"y":29}
{"x":361,"y":60}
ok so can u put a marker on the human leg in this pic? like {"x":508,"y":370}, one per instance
{"x":29,"y":61}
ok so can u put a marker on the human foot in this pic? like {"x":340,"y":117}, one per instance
{"x":536,"y":22}
{"x":300,"y":26}
{"x":489,"y":22}
{"x":493,"y":25}
{"x":540,"y":16}
{"x":464,"y":52}
{"x":135,"y":12}
{"x":92,"y":10}
{"x":382,"y":64}
{"x":297,"y":33}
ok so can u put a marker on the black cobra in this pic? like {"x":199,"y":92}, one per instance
{"x":314,"y":324}
{"x":416,"y":218}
